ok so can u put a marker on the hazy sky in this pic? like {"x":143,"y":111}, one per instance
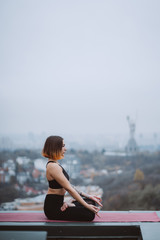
{"x":79,"y":66}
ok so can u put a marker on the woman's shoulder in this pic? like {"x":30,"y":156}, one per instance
{"x":53,"y":165}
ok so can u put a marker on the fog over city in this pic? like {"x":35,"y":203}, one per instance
{"x":79,"y":67}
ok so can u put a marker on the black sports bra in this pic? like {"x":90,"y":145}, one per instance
{"x":53,"y":183}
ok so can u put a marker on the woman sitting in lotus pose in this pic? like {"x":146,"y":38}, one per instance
{"x":83,"y":207}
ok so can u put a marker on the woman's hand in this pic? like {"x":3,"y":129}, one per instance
{"x":98,"y":200}
{"x":64,"y":206}
{"x":93,"y":209}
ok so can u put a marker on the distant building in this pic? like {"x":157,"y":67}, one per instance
{"x":2,"y":176}
{"x":22,"y":177}
{"x":9,"y":165}
{"x":23,"y":160}
{"x":6,"y":143}
{"x":5,"y":176}
{"x":131,"y":147}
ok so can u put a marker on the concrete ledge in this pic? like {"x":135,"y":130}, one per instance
{"x":82,"y":230}
{"x":25,"y":235}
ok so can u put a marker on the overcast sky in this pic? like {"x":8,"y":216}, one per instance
{"x":79,"y":66}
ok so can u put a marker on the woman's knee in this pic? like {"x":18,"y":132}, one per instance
{"x":91,"y":216}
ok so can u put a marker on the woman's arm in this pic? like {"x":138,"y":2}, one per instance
{"x":81,"y":193}
{"x":98,"y":200}
{"x":56,"y":171}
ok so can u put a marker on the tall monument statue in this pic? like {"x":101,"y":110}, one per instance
{"x":131,"y":145}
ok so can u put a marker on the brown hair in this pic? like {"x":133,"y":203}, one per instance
{"x":53,"y":147}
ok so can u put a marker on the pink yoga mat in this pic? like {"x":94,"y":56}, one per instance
{"x":104,"y":217}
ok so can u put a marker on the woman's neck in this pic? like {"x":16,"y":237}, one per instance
{"x":56,"y":161}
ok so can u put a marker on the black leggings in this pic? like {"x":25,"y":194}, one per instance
{"x":52,"y":209}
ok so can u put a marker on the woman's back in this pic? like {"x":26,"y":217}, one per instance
{"x":54,"y":186}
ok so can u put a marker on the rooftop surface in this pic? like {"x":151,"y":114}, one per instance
{"x":137,"y":230}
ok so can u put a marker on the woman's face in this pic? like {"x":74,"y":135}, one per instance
{"x":63,"y":149}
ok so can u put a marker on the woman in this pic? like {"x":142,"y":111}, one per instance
{"x":54,"y":206}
